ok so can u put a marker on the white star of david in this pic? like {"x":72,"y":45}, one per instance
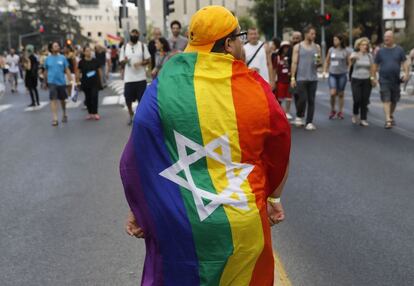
{"x":236,"y":174}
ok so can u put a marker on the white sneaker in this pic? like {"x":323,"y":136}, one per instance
{"x":364,"y":123}
{"x":310,"y":127}
{"x":288,"y":116}
{"x":299,"y":122}
{"x":355,"y":119}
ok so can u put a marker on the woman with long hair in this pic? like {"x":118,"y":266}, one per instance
{"x":162,"y":55}
{"x":31,"y":67}
{"x":363,"y":79}
{"x":88,"y":74}
{"x":337,"y":63}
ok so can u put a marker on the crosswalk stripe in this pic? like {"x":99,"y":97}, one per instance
{"x":36,"y":108}
{"x":5,"y":107}
{"x":71,"y":105}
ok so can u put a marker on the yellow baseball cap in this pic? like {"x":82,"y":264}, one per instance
{"x":208,"y":25}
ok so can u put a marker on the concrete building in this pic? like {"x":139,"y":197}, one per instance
{"x":100,"y":17}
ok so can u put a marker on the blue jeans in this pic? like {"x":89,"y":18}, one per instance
{"x":337,"y":81}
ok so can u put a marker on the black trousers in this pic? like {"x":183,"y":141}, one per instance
{"x":34,"y":95}
{"x":306,"y":93}
{"x":114,"y":64}
{"x":91,"y":99}
{"x":361,"y":92}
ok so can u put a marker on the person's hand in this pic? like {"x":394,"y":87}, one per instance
{"x":132,"y":228}
{"x":273,"y":86}
{"x":256,"y":69}
{"x":275,"y":213}
{"x":324,"y":75}
{"x":405,"y":78}
{"x":137,"y":65}
{"x":374,"y":82}
{"x":293,"y":83}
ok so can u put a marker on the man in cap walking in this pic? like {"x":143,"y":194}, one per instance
{"x":206,"y":163}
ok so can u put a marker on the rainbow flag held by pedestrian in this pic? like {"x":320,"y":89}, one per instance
{"x":209,"y":144}
{"x":112,"y":39}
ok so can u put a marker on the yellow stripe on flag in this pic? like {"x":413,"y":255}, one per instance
{"x":213,"y":93}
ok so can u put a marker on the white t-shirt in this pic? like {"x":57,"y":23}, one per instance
{"x":13,"y":62}
{"x":260,"y":60}
{"x":134,"y":55}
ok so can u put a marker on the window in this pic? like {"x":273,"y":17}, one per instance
{"x":89,"y":34}
{"x":99,"y":34}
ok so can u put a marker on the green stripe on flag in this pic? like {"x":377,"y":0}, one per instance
{"x":178,"y":111}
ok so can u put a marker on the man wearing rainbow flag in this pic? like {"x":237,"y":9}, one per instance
{"x":206,"y":163}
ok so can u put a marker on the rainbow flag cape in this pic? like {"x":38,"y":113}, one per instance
{"x":208,"y":146}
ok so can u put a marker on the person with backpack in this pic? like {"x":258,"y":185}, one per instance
{"x":31,"y":67}
{"x":134,"y":57}
{"x":258,"y":56}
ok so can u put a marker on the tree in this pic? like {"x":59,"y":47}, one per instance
{"x":54,"y":15}
{"x":299,"y":13}
{"x":245,"y":23}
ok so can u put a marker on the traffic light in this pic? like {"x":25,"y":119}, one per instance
{"x":168,"y":7}
{"x":325,"y":19}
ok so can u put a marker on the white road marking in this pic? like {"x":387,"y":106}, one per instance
{"x":5,"y":107}
{"x":71,"y":105}
{"x":36,"y":108}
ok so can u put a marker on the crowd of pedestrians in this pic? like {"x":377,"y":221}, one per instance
{"x":300,"y":61}
{"x":292,"y":69}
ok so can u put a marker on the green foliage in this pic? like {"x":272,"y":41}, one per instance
{"x":300,"y":13}
{"x":246,"y":23}
{"x":55,"y":15}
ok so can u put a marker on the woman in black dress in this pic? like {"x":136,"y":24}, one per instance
{"x":89,"y":74}
{"x":31,"y":66}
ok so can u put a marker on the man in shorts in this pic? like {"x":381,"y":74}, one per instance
{"x":134,"y":57}
{"x":389,"y":60}
{"x":56,"y":66}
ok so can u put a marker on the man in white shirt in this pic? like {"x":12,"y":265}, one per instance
{"x":12,"y":61}
{"x":134,"y":56}
{"x":257,"y":55}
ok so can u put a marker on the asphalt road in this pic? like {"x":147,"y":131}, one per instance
{"x":349,"y":199}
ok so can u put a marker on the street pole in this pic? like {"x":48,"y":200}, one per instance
{"x":197,"y":5}
{"x":124,"y":12}
{"x":8,"y":28}
{"x":275,"y":18}
{"x":351,"y":22}
{"x":142,"y":20}
{"x":323,"y":41}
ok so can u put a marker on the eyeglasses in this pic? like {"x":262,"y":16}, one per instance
{"x":242,"y":35}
